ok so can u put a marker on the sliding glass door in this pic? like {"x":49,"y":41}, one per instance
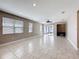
{"x":48,"y":29}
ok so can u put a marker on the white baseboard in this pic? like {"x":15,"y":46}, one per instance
{"x":21,"y":40}
{"x":73,"y":45}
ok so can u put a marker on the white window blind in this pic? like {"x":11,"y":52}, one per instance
{"x":18,"y":26}
{"x":18,"y":23}
{"x":8,"y":24}
{"x":30,"y":27}
{"x":11,"y":26}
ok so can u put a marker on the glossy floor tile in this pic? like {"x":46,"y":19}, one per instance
{"x":45,"y":47}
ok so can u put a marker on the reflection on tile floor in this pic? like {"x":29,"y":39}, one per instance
{"x":45,"y":47}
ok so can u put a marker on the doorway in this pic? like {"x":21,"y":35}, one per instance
{"x":48,"y":29}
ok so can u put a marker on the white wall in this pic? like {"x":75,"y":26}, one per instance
{"x":72,"y":28}
{"x":37,"y":28}
{"x":71,"y":20}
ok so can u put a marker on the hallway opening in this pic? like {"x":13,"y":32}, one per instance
{"x":48,"y":29}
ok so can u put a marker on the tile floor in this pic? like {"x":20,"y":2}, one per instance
{"x":45,"y":47}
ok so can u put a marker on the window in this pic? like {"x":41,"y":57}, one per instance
{"x":48,"y":29}
{"x":11,"y":26}
{"x":18,"y":26}
{"x":8,"y":25}
{"x":30,"y":27}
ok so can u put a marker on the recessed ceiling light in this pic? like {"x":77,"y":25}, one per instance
{"x":63,"y":12}
{"x":34,"y":4}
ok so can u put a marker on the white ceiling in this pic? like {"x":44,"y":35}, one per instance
{"x":45,"y":9}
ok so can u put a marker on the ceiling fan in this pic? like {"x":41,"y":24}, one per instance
{"x":48,"y":21}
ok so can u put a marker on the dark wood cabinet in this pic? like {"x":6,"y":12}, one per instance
{"x":61,"y":29}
